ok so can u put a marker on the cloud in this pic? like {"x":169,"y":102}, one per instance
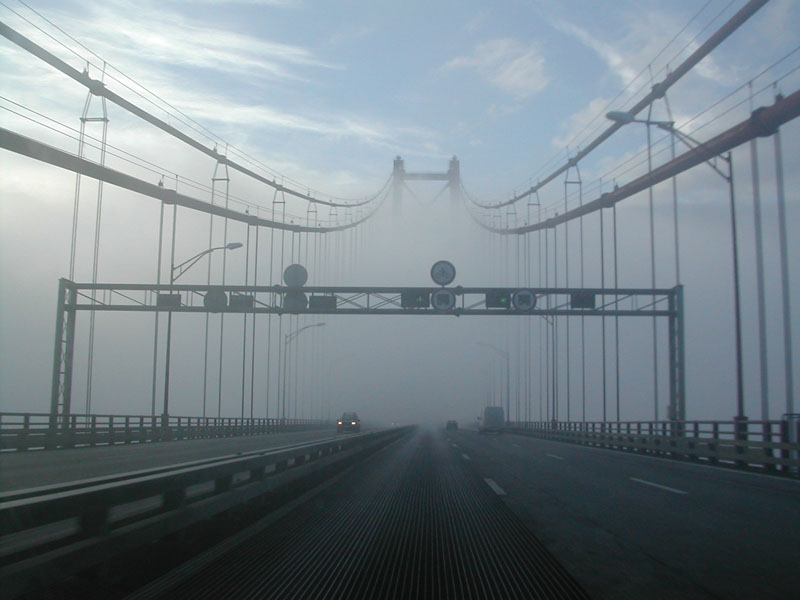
{"x":607,"y":53}
{"x":574,"y":125}
{"x":513,"y":67}
{"x":643,"y":38}
{"x":154,"y":35}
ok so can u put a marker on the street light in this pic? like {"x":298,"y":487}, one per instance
{"x":289,"y":337}
{"x":505,"y":355}
{"x":181,"y":269}
{"x":693,"y":144}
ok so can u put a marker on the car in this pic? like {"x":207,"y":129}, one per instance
{"x":348,"y":423}
{"x":452,"y":425}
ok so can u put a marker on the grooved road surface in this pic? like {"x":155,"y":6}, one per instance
{"x":412,"y":522}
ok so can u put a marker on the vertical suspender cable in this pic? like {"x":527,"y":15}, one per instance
{"x":616,"y":317}
{"x":787,"y":315}
{"x":253,"y":345}
{"x":542,"y":375}
{"x":674,"y":200}
{"x":226,"y":179}
{"x":566,"y":284}
{"x":549,"y":325}
{"x":583,"y":319}
{"x":281,"y":357}
{"x":603,"y":317}
{"x":652,"y":262}
{"x":96,"y":255}
{"x":556,"y":381}
{"x":244,"y":319}
{"x":762,"y":312}
{"x":208,"y":282}
{"x":155,"y":332}
{"x":272,"y":298}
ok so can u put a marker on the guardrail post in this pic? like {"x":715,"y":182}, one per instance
{"x":714,"y":445}
{"x":741,"y":430}
{"x":93,"y":431}
{"x":693,"y":443}
{"x":768,"y":450}
{"x":22,"y":436}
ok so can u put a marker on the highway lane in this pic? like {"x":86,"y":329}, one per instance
{"x":630,"y":526}
{"x":410,"y":522}
{"x":36,"y":468}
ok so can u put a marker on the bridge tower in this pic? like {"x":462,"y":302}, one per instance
{"x":452,"y":176}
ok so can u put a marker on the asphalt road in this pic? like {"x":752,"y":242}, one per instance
{"x":43,"y":467}
{"x":630,"y":526}
{"x":412,"y":521}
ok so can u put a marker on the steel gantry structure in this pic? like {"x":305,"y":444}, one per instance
{"x":455,"y":301}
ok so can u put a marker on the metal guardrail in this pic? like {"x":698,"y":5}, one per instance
{"x":768,"y":445}
{"x":30,"y":431}
{"x":77,"y":524}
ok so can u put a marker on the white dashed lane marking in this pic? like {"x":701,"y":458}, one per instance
{"x":495,"y":488}
{"x":466,"y":457}
{"x":659,"y":486}
{"x":556,"y":457}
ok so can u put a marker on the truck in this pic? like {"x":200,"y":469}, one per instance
{"x":493,"y":420}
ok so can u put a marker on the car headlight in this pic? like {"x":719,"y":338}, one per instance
{"x":353,"y":423}
{"x":340,"y":422}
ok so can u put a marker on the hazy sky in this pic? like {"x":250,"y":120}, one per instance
{"x":325,"y":95}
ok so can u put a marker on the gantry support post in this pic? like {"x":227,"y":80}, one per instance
{"x":677,"y":375}
{"x":61,"y":393}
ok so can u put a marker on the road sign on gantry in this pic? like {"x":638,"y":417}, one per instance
{"x":295,"y":276}
{"x":415,"y":299}
{"x":443,"y":300}
{"x":443,"y":272}
{"x":523,"y":300}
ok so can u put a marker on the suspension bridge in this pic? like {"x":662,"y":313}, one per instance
{"x":249,"y":294}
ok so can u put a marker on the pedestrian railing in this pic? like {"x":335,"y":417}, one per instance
{"x":29,"y":431}
{"x":765,"y":445}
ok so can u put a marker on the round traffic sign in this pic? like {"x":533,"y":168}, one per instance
{"x":443,"y":300}
{"x":523,"y":300}
{"x":443,"y":272}
{"x":295,"y":276}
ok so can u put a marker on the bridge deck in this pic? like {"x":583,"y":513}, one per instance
{"x":412,"y":522}
{"x":38,"y":468}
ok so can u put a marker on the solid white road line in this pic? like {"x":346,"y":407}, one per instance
{"x":659,"y":486}
{"x":516,"y":445}
{"x":556,"y":457}
{"x":465,"y":457}
{"x":495,"y":488}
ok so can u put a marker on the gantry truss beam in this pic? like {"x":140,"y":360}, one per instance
{"x":365,"y":300}
{"x":134,"y":297}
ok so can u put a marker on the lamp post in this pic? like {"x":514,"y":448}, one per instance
{"x":288,"y":338}
{"x":505,"y":355}
{"x":173,"y":277}
{"x":624,"y":118}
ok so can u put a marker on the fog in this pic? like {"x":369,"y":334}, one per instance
{"x":404,"y":369}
